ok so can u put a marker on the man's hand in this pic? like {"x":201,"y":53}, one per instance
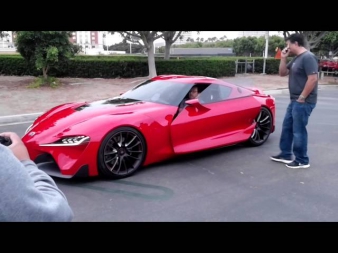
{"x":18,"y":147}
{"x":301,"y":99}
{"x":285,"y":52}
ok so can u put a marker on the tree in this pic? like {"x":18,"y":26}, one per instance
{"x":329,"y":43}
{"x":223,"y":38}
{"x":44,"y":49}
{"x":148,"y":38}
{"x":313,"y":37}
{"x":170,"y":37}
{"x":245,"y":46}
{"x":255,"y":46}
{"x":274,"y":42}
{"x":76,"y":49}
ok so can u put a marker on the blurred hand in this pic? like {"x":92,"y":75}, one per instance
{"x":18,"y":147}
{"x":285,"y":52}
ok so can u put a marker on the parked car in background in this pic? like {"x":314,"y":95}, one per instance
{"x":328,"y":65}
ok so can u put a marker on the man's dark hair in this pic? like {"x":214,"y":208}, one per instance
{"x":296,"y":37}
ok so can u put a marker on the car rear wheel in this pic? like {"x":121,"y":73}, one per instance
{"x":263,"y":128}
{"x":121,"y":153}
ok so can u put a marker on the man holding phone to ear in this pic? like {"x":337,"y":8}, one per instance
{"x":303,"y":88}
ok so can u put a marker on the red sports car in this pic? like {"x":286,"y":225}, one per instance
{"x":117,"y":136}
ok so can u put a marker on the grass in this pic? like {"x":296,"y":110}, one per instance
{"x":41,"y":81}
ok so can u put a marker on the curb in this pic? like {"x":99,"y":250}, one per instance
{"x":19,"y":118}
{"x":28,"y":118}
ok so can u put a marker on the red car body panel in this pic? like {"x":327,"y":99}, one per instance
{"x":167,"y":134}
{"x":70,"y":158}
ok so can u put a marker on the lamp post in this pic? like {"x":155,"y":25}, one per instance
{"x":86,"y":44}
{"x":266,"y":50}
{"x":105,"y":41}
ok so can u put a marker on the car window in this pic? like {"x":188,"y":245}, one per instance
{"x":215,"y":93}
{"x":158,"y":91}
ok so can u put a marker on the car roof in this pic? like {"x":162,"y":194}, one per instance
{"x":193,"y":79}
{"x":185,"y":78}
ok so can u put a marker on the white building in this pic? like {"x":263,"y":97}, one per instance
{"x":7,"y":40}
{"x":88,"y":39}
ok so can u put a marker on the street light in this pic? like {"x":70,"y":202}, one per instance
{"x":86,"y":44}
{"x":105,"y":43}
{"x":133,"y":40}
{"x":130,"y":42}
{"x":266,"y":50}
{"x":130,"y":46}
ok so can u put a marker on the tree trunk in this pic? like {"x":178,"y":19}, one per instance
{"x":335,"y":52}
{"x":44,"y":72}
{"x":151,"y":60}
{"x":167,"y":50}
{"x":307,"y":45}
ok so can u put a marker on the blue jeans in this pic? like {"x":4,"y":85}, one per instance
{"x":294,"y":131}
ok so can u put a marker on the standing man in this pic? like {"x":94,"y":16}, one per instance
{"x":303,"y":88}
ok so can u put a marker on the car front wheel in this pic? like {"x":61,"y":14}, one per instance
{"x":121,"y":153}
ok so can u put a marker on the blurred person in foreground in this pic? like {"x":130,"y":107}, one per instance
{"x":28,"y":194}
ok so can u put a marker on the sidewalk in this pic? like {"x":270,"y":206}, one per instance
{"x":19,"y":103}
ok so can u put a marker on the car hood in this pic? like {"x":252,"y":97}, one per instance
{"x":64,"y":116}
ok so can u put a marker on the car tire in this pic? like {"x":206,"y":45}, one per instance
{"x":262,"y":131}
{"x":121,"y":153}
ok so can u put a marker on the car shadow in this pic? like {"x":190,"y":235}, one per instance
{"x":191,"y":157}
{"x":195,"y":156}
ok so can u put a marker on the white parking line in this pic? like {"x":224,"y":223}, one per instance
{"x":17,"y":123}
{"x":138,"y":80}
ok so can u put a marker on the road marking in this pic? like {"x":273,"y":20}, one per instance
{"x":138,"y":80}
{"x":17,"y":123}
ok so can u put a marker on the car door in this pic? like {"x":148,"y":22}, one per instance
{"x":220,"y":116}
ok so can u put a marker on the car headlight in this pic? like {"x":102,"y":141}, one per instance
{"x":69,"y":141}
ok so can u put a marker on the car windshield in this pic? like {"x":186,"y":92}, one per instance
{"x":159,"y":91}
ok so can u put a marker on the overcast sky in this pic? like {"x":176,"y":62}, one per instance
{"x":116,"y":38}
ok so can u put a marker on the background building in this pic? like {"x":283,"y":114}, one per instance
{"x":7,"y":40}
{"x":88,"y":39}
